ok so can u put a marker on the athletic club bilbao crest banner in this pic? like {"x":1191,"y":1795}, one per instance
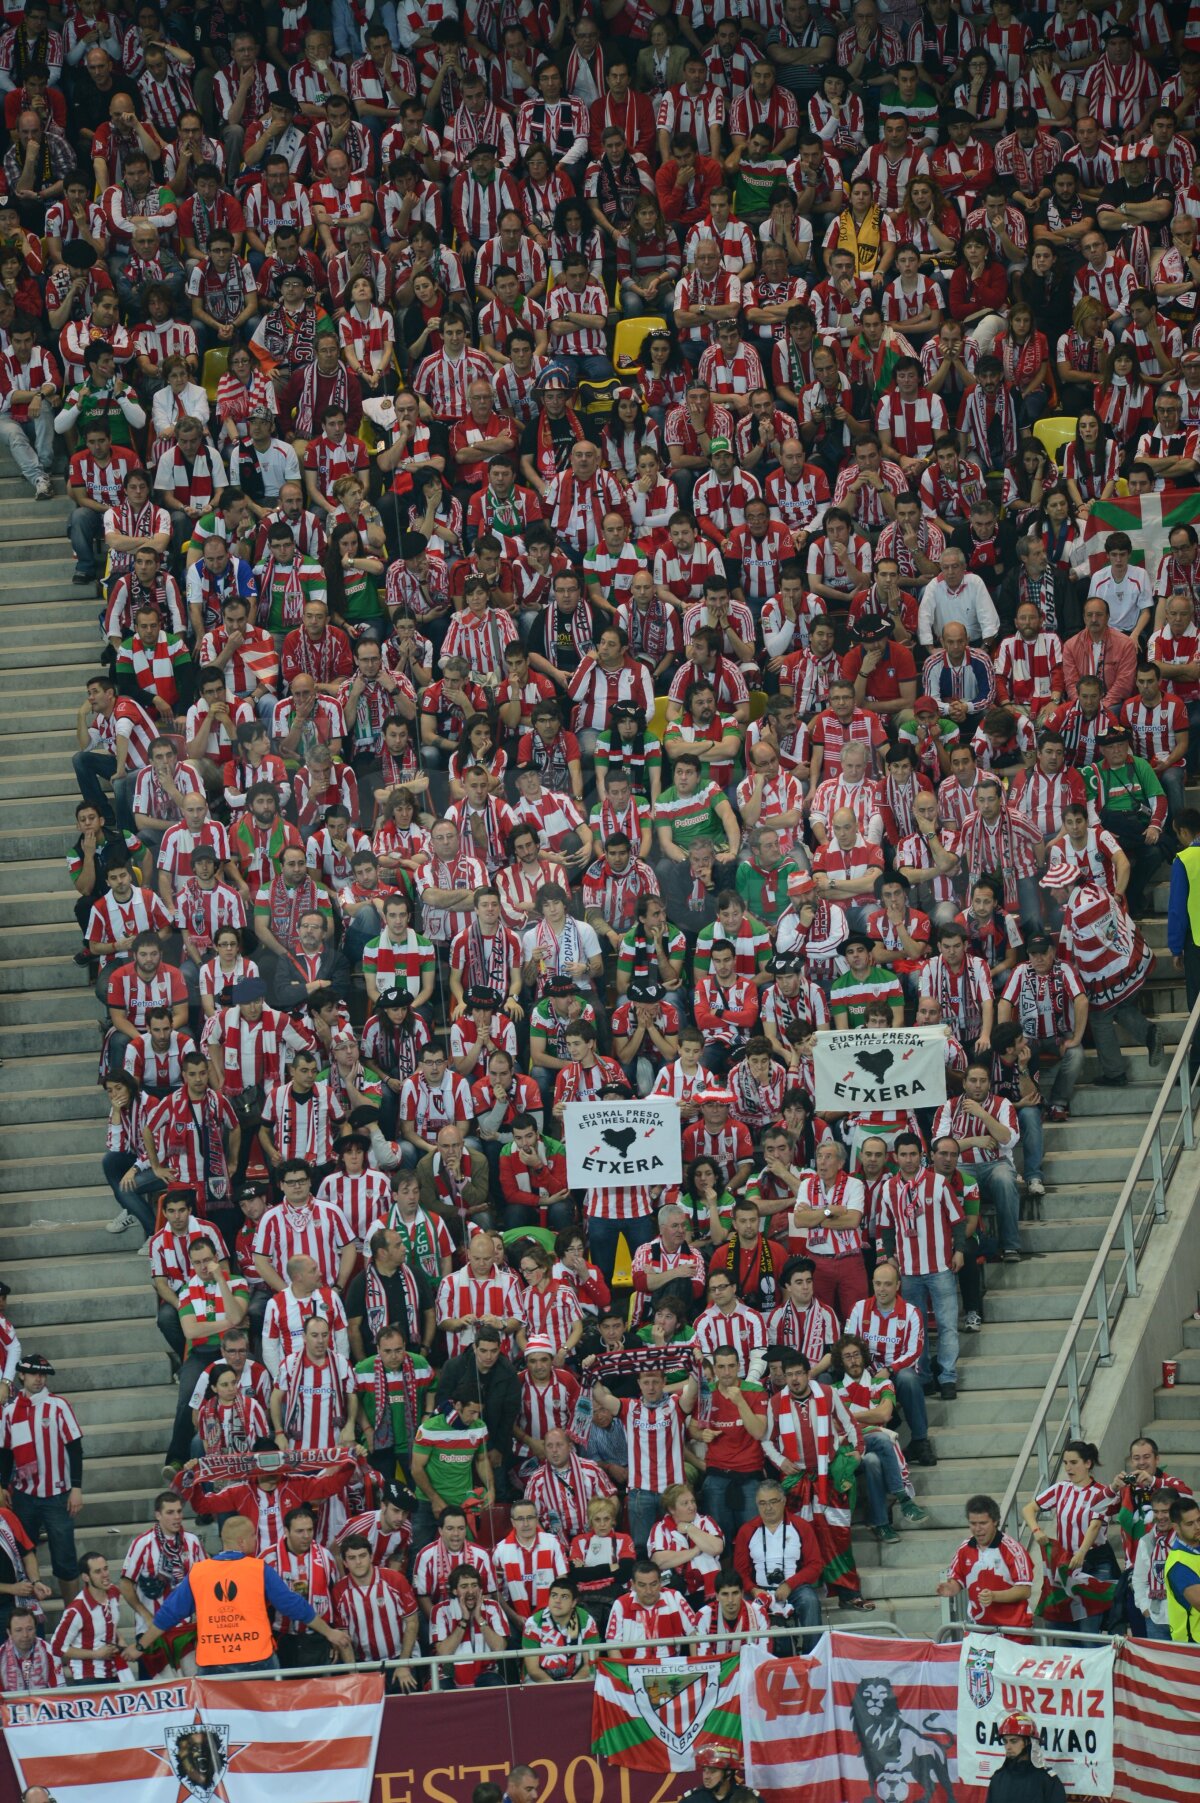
{"x":202,"y":1741}
{"x":880,"y":1067}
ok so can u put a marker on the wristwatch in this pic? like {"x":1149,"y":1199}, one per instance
{"x":827,"y":1212}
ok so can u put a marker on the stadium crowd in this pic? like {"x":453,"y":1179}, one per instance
{"x":583,"y":608}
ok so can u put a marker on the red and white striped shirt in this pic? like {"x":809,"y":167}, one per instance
{"x":461,"y":1294}
{"x":1075,"y":1507}
{"x":51,"y":1429}
{"x":549,"y":1405}
{"x":312,"y":1574}
{"x":552,"y":1311}
{"x":525,"y":1573}
{"x":1043,"y":1004}
{"x":922,"y":1212}
{"x":655,"y":1436}
{"x":302,"y":1126}
{"x":829,"y":1242}
{"x":561,"y":1494}
{"x":111,"y":921}
{"x":143,"y":1560}
{"x":374,"y":1614}
{"x":318,"y":1231}
{"x":951,"y":1119}
{"x":742,"y":1328}
{"x":961,"y":993}
{"x":285,"y":1317}
{"x":83,"y":1625}
{"x":631,"y":1620}
{"x":385,"y":1545}
{"x":1154,"y":730}
{"x":896,"y":1340}
{"x":443,"y":382}
{"x":321,"y":1392}
{"x":435,"y":1562}
{"x":362,"y":1200}
{"x":812,"y":1332}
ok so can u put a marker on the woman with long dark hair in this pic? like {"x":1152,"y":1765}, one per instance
{"x":352,"y":579}
{"x":1023,"y":351}
{"x":1082,"y":1507}
{"x":625,"y":431}
{"x":1091,"y":462}
{"x":1026,"y":479}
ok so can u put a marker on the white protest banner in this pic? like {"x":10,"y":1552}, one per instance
{"x":880,"y":1067}
{"x":1067,"y":1691}
{"x":618,"y":1145}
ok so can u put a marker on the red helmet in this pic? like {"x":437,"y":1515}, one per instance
{"x":721,"y":1759}
{"x":1018,"y":1725}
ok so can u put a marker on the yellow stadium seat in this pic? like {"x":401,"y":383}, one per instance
{"x":1122,"y":487}
{"x":758,"y":704}
{"x":616,"y":299}
{"x":366,"y":432}
{"x":622,"y":1276}
{"x":594,"y":397}
{"x":631,"y":334}
{"x":656,"y":725}
{"x":216,"y":363}
{"x":1053,"y":434}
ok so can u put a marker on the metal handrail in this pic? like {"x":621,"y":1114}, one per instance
{"x":509,"y":1655}
{"x":1087,"y":1342}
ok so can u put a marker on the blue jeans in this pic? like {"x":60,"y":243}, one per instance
{"x":998,"y":1185}
{"x":138,"y":1200}
{"x":48,"y":1515}
{"x":1172,"y":782}
{"x":1032,"y":1140}
{"x":880,"y":1472}
{"x":365,"y":926}
{"x":585,"y":369}
{"x":89,"y":766}
{"x":85,"y":529}
{"x":1066,"y":1074}
{"x":644,"y":1508}
{"x":937,"y":1293}
{"x":1157,"y":1630}
{"x":911,"y":1398}
{"x":603,"y":1236}
{"x":729,"y":1497}
{"x":804,"y":1607}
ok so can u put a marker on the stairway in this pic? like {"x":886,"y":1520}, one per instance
{"x":1176,"y":1423}
{"x":79,"y":1295}
{"x":1003,"y":1369}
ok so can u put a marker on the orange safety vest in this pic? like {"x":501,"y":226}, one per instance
{"x":232,"y":1623}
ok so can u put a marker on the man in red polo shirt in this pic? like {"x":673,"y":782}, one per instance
{"x":882,"y":670}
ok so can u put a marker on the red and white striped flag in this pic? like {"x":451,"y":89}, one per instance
{"x":862,"y":1718}
{"x":255,"y":1741}
{"x":1156,"y":1705}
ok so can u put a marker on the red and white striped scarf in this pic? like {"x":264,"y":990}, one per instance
{"x":306,"y":406}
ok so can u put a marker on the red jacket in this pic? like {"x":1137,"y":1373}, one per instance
{"x":673,"y":200}
{"x":991,"y":290}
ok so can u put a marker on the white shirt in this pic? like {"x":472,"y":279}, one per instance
{"x":970,"y":605}
{"x":1127,"y":599}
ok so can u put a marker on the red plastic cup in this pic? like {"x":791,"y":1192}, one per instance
{"x":1170,"y":1373}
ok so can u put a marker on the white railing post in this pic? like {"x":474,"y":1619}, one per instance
{"x":1129,"y":1236}
{"x":1102,"y":1331}
{"x":1158,"y":1186}
{"x":1075,"y":1401}
{"x":1185,"y":1104}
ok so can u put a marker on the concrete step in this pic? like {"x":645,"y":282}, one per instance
{"x":48,"y":1012}
{"x":144,"y":1437}
{"x":1063,"y":1269}
{"x":1047,"y":1302}
{"x":1180,"y":1403}
{"x":51,"y":810}
{"x":1010,"y":1339}
{"x":57,"y":970}
{"x":48,"y":784}
{"x":39,"y":939}
{"x":31,"y":546}
{"x":1000,"y":1407}
{"x":51,"y":1172}
{"x":28,"y":1074}
{"x":122,"y":1370}
{"x":1191,"y":1335}
{"x":41,"y":907}
{"x":88,"y":1103}
{"x":97,"y":1409}
{"x":1189,"y":1368}
{"x":75,"y":1135}
{"x":36,"y":842}
{"x":89,"y":1203}
{"x":115,"y":1302}
{"x":45,"y":876}
{"x":1178,"y":1437}
{"x":74,"y":607}
{"x":51,"y":1235}
{"x":1091,"y":1100}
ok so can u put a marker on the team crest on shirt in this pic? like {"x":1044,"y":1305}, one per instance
{"x":980,"y":1682}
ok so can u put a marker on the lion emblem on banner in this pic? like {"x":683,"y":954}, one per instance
{"x":675,"y":1703}
{"x":905,"y":1763}
{"x":199,"y":1758}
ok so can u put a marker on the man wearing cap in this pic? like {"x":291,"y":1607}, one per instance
{"x":41,"y":1466}
{"x":1120,"y":88}
{"x":1025,"y":157}
{"x":1045,"y":997}
{"x":1129,"y":802}
{"x":645,"y":1030}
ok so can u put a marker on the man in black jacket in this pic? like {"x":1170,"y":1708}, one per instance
{"x":1019,"y":1780}
{"x":483,"y":1371}
{"x":1033,"y":578}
